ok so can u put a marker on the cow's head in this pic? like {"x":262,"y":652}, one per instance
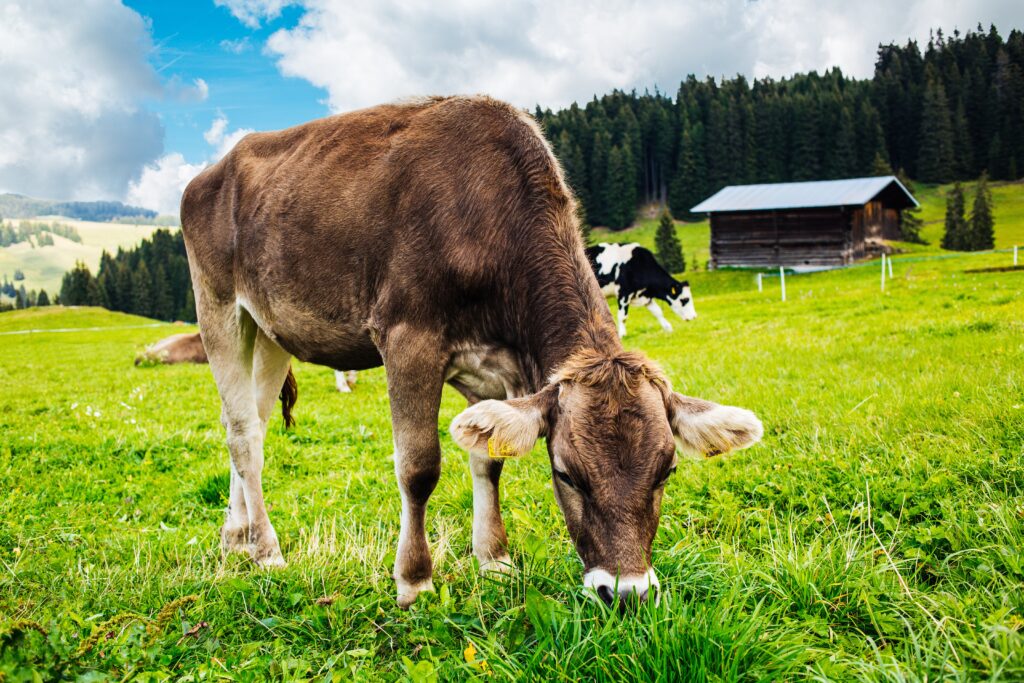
{"x":681,"y":300}
{"x":612,"y":426}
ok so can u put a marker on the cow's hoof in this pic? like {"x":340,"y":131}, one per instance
{"x":273,"y":560}
{"x":266,"y":552}
{"x":408,"y":592}
{"x":666,"y":328}
{"x":498,"y":565}
{"x":234,"y":539}
{"x":267,"y":555}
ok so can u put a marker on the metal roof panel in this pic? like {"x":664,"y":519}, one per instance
{"x":818,"y":193}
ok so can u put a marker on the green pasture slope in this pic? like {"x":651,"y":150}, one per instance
{"x":876,"y":533}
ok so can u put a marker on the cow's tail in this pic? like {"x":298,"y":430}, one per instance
{"x":289,"y":395}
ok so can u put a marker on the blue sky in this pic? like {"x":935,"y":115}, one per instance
{"x":129,"y":99}
{"x":200,"y":40}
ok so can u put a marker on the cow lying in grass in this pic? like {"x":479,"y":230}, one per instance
{"x":632,"y":275}
{"x":178,"y":348}
{"x":438,"y":238}
{"x":188,"y":348}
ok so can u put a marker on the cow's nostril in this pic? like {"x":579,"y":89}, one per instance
{"x":606,"y":594}
{"x":643,"y":595}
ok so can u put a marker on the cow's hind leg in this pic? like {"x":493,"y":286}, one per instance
{"x":230,"y":338}
{"x":415,"y":362}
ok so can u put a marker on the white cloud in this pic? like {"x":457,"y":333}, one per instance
{"x":218,"y":137}
{"x":197,"y":91}
{"x":367,"y":51}
{"x":73,"y":75}
{"x":252,"y":12}
{"x":160,"y":186}
{"x":236,"y":47}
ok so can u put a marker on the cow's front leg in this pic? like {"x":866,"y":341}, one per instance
{"x":655,"y":310}
{"x":415,"y":364}
{"x":490,"y":543}
{"x":623,"y":314}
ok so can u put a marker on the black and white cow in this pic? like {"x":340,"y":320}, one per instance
{"x":631,"y":274}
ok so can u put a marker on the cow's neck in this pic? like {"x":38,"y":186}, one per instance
{"x":565,"y":313}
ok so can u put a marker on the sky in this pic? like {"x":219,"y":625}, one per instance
{"x":104,"y":99}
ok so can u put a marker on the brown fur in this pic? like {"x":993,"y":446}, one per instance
{"x":414,"y":235}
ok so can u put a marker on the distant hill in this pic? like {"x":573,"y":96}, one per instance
{"x":20,"y":206}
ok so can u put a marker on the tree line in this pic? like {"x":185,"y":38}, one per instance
{"x":151,"y":280}
{"x":43,"y":233}
{"x":947,"y":113}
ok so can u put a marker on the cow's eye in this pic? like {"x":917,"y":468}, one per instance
{"x":664,"y":480}
{"x":566,"y":479}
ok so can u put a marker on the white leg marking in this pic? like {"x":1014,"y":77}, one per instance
{"x":341,"y":382}
{"x":489,"y":541}
{"x":623,"y":314}
{"x":656,"y":311}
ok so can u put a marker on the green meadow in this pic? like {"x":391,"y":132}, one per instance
{"x":875,"y":533}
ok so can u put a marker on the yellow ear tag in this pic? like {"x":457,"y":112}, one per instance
{"x":499,"y":450}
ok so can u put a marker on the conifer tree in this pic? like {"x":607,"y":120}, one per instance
{"x":981,"y":229}
{"x":600,"y":150}
{"x":162,"y":304}
{"x":881,"y":167}
{"x":910,"y":219}
{"x":844,"y":149}
{"x":955,"y":234}
{"x":668,"y":249}
{"x":620,"y":193}
{"x":43,"y":299}
{"x":142,"y":282}
{"x":188,"y":309}
{"x":935,"y":158}
{"x":79,"y":288}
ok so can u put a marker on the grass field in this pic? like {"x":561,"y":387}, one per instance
{"x":45,"y":266}
{"x":876,"y":533}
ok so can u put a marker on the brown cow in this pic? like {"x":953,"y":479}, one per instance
{"x":437,"y":238}
{"x":178,"y":348}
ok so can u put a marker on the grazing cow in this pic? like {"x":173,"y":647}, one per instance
{"x":438,"y":238}
{"x":632,"y":275}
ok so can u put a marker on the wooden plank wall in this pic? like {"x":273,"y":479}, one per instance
{"x":796,"y":237}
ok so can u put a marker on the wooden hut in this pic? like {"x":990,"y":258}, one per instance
{"x":805,"y":226}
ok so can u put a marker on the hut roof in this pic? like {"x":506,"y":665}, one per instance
{"x":818,"y":193}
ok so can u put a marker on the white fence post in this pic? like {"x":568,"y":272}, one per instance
{"x":760,"y":281}
{"x":782,"y":276}
{"x":1015,"y":254}
{"x":883,"y":272}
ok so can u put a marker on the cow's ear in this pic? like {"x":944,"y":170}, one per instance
{"x":503,"y":429}
{"x":709,"y":428}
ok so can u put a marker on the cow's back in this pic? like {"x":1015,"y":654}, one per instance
{"x":330,"y":229}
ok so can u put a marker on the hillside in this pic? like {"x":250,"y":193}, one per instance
{"x":45,"y":266}
{"x":20,"y":206}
